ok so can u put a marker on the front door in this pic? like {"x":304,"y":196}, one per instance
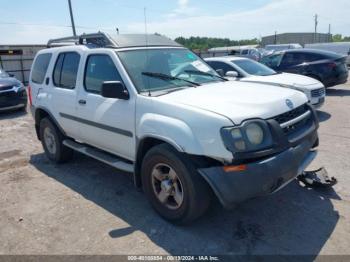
{"x":106,"y":123}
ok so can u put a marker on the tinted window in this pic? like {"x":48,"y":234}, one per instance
{"x":99,"y":68}
{"x":57,"y":70}
{"x":293,"y":59}
{"x":221,"y":65}
{"x":40,"y":67}
{"x":310,"y":57}
{"x":66,"y":69}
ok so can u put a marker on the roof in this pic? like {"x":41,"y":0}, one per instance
{"x":120,"y":41}
{"x":230,"y":48}
{"x":135,"y":40}
{"x":308,"y":50}
{"x":226,"y":58}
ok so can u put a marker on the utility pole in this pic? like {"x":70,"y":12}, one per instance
{"x":275,"y":37}
{"x":329,"y":33}
{"x":71,"y":17}
{"x":316,"y":23}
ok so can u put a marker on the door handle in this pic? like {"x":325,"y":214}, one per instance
{"x":82,"y":102}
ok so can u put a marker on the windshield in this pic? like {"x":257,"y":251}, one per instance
{"x":254,"y":68}
{"x":3,"y":74}
{"x":175,"y":63}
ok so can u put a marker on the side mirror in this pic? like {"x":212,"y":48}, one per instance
{"x":114,"y":89}
{"x":220,"y":72}
{"x":231,"y":74}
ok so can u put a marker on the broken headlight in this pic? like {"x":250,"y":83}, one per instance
{"x":252,"y":135}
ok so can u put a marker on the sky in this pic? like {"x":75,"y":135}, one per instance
{"x":36,"y":21}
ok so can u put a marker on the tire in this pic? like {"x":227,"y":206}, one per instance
{"x":52,"y":141}
{"x":196,"y":194}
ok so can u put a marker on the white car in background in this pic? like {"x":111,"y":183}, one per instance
{"x":247,"y":70}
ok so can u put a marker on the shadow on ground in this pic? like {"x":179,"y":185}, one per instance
{"x":323,"y":116}
{"x":296,"y":220}
{"x":12,"y":114}
{"x":337,"y":92}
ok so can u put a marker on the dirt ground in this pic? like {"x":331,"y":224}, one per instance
{"x":86,"y":207}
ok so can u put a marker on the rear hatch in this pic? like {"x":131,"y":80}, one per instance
{"x":340,"y":65}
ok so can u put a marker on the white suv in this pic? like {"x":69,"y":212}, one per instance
{"x":148,"y":106}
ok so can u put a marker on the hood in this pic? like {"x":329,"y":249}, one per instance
{"x":238,"y":101}
{"x":8,"y":81}
{"x":288,"y":79}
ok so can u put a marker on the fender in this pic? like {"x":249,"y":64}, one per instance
{"x":171,"y":130}
{"x":37,"y":119}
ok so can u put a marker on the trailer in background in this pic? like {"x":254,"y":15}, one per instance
{"x":17,"y":59}
{"x":342,"y":48}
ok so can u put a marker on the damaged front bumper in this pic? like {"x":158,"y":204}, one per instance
{"x":259,"y":178}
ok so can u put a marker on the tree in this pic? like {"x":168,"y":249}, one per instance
{"x":204,"y":43}
{"x":337,"y":38}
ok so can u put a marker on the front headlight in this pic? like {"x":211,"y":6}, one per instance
{"x":255,"y":133}
{"x":252,"y":135}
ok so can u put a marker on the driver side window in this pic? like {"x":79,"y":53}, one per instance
{"x":99,"y":68}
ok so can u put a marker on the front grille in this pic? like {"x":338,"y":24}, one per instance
{"x":4,"y":88}
{"x":285,"y":117}
{"x":318,"y":92}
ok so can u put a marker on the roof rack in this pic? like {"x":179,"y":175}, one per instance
{"x":100,"y":39}
{"x":96,"y":39}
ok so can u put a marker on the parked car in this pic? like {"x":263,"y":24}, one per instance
{"x":342,"y":48}
{"x":328,"y":67}
{"x":12,"y":93}
{"x":281,"y":47}
{"x":247,"y":70}
{"x":149,"y":106}
{"x":252,"y":53}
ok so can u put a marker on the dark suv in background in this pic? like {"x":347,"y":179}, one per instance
{"x":328,"y":67}
{"x":12,"y":93}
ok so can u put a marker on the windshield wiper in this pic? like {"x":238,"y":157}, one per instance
{"x":197,"y":72}
{"x":168,"y":77}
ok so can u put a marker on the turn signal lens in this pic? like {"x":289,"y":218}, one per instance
{"x":235,"y":168}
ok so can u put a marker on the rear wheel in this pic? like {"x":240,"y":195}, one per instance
{"x":52,"y":141}
{"x":173,"y":186}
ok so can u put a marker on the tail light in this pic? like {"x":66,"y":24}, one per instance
{"x":30,"y":95}
{"x":332,"y":65}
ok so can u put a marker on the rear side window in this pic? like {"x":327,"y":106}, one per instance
{"x":310,"y":57}
{"x":40,"y":67}
{"x":66,"y":69}
{"x":99,"y":68}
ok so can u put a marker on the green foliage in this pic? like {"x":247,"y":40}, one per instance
{"x":340,"y":38}
{"x":204,"y":43}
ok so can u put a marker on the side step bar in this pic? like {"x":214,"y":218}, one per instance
{"x":100,"y":155}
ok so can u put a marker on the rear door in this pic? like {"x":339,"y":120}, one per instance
{"x":292,"y":62}
{"x":63,"y":85}
{"x":37,"y":77}
{"x":106,"y":123}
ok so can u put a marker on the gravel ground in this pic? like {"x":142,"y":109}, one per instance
{"x":86,"y":207}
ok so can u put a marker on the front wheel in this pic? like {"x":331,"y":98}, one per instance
{"x":173,"y":186}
